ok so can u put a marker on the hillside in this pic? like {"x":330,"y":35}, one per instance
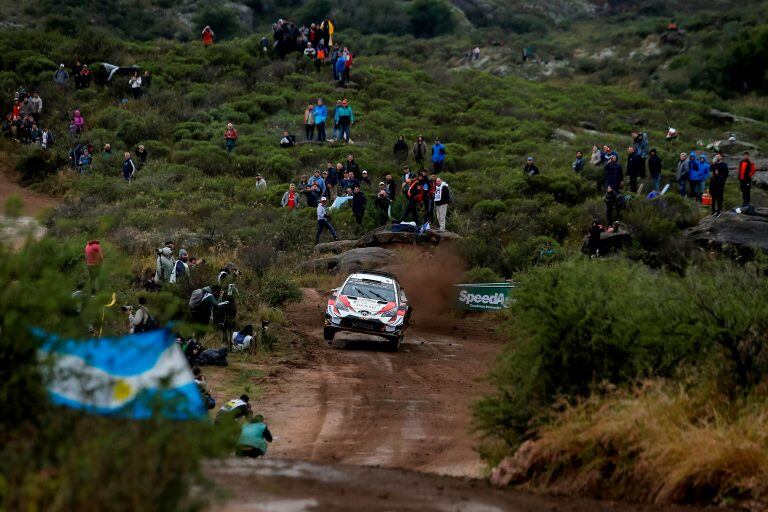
{"x":598,"y":345}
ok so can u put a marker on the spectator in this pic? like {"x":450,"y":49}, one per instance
{"x":415,"y":197}
{"x":79,"y":122}
{"x":746,"y":171}
{"x":141,"y":155}
{"x":129,"y":168}
{"x":202,"y":386}
{"x":332,"y":180}
{"x":164,"y":266}
{"x":635,"y":168}
{"x":704,"y":169}
{"x":672,"y":134}
{"x":261,"y":183}
{"x":324,"y":221}
{"x":230,"y":137}
{"x":390,"y":186}
{"x":309,"y":122}
{"x":288,"y":140}
{"x":46,"y":139}
{"x":141,"y":320}
{"x":135,"y":83}
{"x":346,"y":120}
{"x":530,"y":168}
{"x":84,"y":162}
{"x":208,"y":36}
{"x":611,"y":203}
{"x":442,"y":199}
{"x":640,"y":144}
{"x":202,"y":302}
{"x":717,"y":183}
{"x":349,"y":181}
{"x":681,"y":174}
{"x":419,"y":150}
{"x":358,"y":206}
{"x":254,"y":437}
{"x":693,"y":174}
{"x":614,"y":174}
{"x":291,"y":198}
{"x":106,"y":153}
{"x":336,"y":128}
{"x":318,"y":180}
{"x":36,"y":105}
{"x":606,"y":153}
{"x":241,"y":340}
{"x":61,"y":77}
{"x":654,"y":167}
{"x":351,"y":166}
{"x":310,"y":52}
{"x":181,"y":267}
{"x":400,"y":150}
{"x":578,"y":164}
{"x":235,"y":409}
{"x":76,"y":69}
{"x":320,"y":115}
{"x":146,"y":81}
{"x":382,"y":203}
{"x":365,"y":180}
{"x":313,"y":195}
{"x":438,"y":156}
{"x":94,"y":257}
{"x":431,"y":188}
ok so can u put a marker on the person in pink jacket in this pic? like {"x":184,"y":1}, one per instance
{"x":93,"y":260}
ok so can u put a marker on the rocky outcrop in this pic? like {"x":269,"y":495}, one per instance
{"x":735,"y":234}
{"x":385,"y":236}
{"x":335,"y":247}
{"x":361,"y":258}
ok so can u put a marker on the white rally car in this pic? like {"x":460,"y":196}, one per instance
{"x":369,"y":302}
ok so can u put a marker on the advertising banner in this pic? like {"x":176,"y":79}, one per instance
{"x":483,"y":296}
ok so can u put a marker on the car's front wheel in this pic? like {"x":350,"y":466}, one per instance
{"x":393,"y":343}
{"x":329,"y":333}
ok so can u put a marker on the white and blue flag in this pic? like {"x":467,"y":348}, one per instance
{"x":136,"y":376}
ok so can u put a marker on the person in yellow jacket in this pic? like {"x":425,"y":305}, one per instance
{"x":326,"y":27}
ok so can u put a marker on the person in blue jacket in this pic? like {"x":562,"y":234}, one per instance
{"x":254,"y":437}
{"x":438,"y":156}
{"x":321,"y":114}
{"x":316,"y":178}
{"x":694,"y":177}
{"x":703,"y":174}
{"x":346,"y":118}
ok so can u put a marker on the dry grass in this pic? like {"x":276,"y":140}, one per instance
{"x":662,"y":444}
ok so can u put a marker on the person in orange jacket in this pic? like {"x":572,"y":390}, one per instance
{"x":208,"y":36}
{"x":746,"y":171}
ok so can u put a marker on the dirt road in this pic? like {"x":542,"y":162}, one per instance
{"x":362,"y":405}
{"x":34,"y":202}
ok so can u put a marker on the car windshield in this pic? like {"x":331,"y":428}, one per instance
{"x":363,"y":288}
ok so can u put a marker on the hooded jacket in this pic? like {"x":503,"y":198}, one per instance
{"x":635,"y":165}
{"x":613,"y":175}
{"x":438,"y":152}
{"x":693,"y":168}
{"x":654,"y":165}
{"x":703,"y":171}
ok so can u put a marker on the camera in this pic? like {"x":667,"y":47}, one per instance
{"x":126,"y":308}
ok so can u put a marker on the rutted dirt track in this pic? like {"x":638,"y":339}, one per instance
{"x":362,"y":405}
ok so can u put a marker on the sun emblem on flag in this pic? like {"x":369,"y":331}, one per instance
{"x":121,"y":390}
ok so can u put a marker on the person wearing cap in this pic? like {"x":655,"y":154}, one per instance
{"x":230,"y":137}
{"x":181,"y":267}
{"x":346,"y":118}
{"x":61,"y":77}
{"x":324,"y":221}
{"x":530,"y":168}
{"x":261,"y":183}
{"x":365,"y":180}
{"x":254,"y":437}
{"x":165,"y":265}
{"x":438,"y":155}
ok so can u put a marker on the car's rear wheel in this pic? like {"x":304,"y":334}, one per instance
{"x":329,"y":333}
{"x":393,"y":343}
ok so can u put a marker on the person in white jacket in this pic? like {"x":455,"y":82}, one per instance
{"x":442,"y":198}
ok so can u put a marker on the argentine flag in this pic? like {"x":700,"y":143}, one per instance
{"x":135,"y":376}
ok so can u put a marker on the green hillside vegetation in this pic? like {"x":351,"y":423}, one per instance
{"x":585,"y":335}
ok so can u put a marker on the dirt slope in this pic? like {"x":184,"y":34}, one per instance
{"x":34,"y":202}
{"x":361,"y":405}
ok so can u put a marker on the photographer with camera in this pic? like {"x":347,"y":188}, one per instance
{"x":203,"y":301}
{"x":141,"y":320}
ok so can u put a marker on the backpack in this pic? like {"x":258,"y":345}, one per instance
{"x":197,"y":298}
{"x":150,"y":324}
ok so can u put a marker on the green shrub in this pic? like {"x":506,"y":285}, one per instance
{"x":134,"y":130}
{"x":277,"y":289}
{"x":480,"y":275}
{"x":430,"y":18}
{"x":222,"y":20}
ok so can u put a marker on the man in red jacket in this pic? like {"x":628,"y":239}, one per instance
{"x":93,"y":260}
{"x":415,"y":195}
{"x":746,"y":171}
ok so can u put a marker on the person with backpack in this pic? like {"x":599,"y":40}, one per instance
{"x":164,"y":266}
{"x":654,"y":167}
{"x":346,"y":118}
{"x":142,"y":320}
{"x":203,"y":301}
{"x":438,"y":155}
{"x":235,"y":409}
{"x":242,"y":339}
{"x":719,"y":170}
{"x":746,"y":171}
{"x":442,"y":199}
{"x":254,"y":437}
{"x":640,"y":144}
{"x":181,"y":267}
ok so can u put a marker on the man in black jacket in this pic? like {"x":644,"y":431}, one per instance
{"x":654,"y":167}
{"x":442,"y":198}
{"x":719,"y":171}
{"x":358,"y":206}
{"x":530,"y":168}
{"x":635,"y":168}
{"x":391,"y":186}
{"x":382,"y":203}
{"x":351,"y":165}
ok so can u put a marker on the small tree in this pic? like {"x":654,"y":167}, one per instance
{"x":430,"y":18}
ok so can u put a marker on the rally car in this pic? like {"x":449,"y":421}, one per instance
{"x":369,"y":302}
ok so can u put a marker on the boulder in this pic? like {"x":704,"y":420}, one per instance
{"x":562,"y":134}
{"x":361,"y":258}
{"x":727,"y":117}
{"x":588,"y":126}
{"x":514,"y":469}
{"x":335,"y":247}
{"x":735,"y":234}
{"x":385,"y":236}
